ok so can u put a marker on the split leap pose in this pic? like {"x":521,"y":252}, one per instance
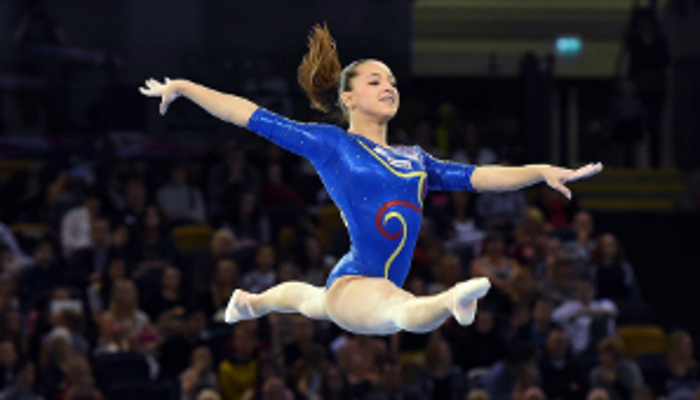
{"x":378,"y":188}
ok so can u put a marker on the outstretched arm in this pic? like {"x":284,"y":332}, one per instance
{"x":226,"y":107}
{"x":500,"y":178}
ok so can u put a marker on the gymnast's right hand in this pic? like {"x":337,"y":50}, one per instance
{"x":167,"y":91}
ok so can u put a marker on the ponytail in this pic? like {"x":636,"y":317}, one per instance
{"x":319,"y":72}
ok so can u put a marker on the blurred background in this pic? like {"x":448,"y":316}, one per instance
{"x":123,"y":234}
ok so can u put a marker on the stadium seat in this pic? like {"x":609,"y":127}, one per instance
{"x":641,"y":339}
{"x":192,"y":237}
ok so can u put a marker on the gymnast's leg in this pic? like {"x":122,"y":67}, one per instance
{"x":287,"y":297}
{"x":377,"y":306}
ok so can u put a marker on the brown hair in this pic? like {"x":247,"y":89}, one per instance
{"x":673,"y":355}
{"x":613,"y":346}
{"x":597,"y":252}
{"x":321,"y":74}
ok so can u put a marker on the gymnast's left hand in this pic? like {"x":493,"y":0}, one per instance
{"x":556,"y":177}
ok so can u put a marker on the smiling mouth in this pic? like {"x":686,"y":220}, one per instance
{"x":389,"y":100}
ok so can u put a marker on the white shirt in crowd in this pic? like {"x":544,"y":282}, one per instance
{"x":76,"y":230}
{"x":571,"y":316}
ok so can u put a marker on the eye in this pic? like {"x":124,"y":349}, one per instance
{"x":395,"y":84}
{"x":374,"y":83}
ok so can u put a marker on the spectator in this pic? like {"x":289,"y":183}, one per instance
{"x":558,"y":211}
{"x":123,"y":325}
{"x":177,"y":350}
{"x":79,"y":383}
{"x":619,"y":377}
{"x":275,"y":193}
{"x":249,"y":223}
{"x":470,"y":150}
{"x":181,"y":202}
{"x":334,"y":386}
{"x":507,"y":379}
{"x":37,"y":281}
{"x":524,"y":291}
{"x":479,"y":345}
{"x":8,"y":363}
{"x":88,"y":263}
{"x":77,"y":223}
{"x":562,"y":277}
{"x":586,"y":318}
{"x":562,"y":376}
{"x":54,"y":367}
{"x":263,"y":277}
{"x":598,"y":394}
{"x":200,"y":374}
{"x":224,"y":283}
{"x":136,"y":204}
{"x":498,"y":267}
{"x":465,"y":238}
{"x":680,"y":370}
{"x":169,"y":302}
{"x":447,"y":273}
{"x":316,"y":264}
{"x":612,"y":274}
{"x":581,"y":244}
{"x":223,"y":246}
{"x":541,"y":326}
{"x":643,"y":393}
{"x":229,"y":181}
{"x":240,"y":372}
{"x":501,"y":210}
{"x":99,"y":293}
{"x":531,"y":236}
{"x":24,"y":386}
{"x":152,"y":244}
{"x":444,"y":380}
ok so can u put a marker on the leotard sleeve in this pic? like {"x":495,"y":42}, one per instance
{"x":447,"y":176}
{"x":311,"y":141}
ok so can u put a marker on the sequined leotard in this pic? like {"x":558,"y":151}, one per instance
{"x":379,"y":190}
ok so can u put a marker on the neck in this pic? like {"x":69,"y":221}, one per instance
{"x":369,"y":128}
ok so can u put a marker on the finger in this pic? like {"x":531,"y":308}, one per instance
{"x":584,"y":172}
{"x":164,"y":106}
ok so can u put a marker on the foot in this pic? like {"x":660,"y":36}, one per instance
{"x":238,"y":308}
{"x":464,"y":299}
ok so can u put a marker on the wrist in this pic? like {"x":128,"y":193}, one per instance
{"x":539,"y":169}
{"x":181,"y":86}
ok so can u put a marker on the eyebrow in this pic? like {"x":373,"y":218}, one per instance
{"x":380,"y":75}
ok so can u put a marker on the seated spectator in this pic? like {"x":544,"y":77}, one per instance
{"x":478,"y":346}
{"x":307,"y":371}
{"x":581,"y":243}
{"x":681,"y":370}
{"x":77,"y":223}
{"x":558,"y":210}
{"x":524,"y":291}
{"x":200,"y":375}
{"x":501,"y":210}
{"x":612,"y":274}
{"x":181,"y":202}
{"x":619,"y":377}
{"x":465,"y":237}
{"x":87,"y":263}
{"x":447,"y":273}
{"x":444,"y":379}
{"x":473,"y":152}
{"x":272,"y":388}
{"x":539,"y":328}
{"x":8,"y":363}
{"x":644,"y":393}
{"x":302,"y":330}
{"x":598,"y":394}
{"x":79,"y":383}
{"x":153,"y":244}
{"x":135,"y":205}
{"x":543,"y":265}
{"x":123,"y":325}
{"x":229,"y":180}
{"x":224,"y":283}
{"x":99,"y":293}
{"x":560,"y":285}
{"x":223,"y":246}
{"x":359,"y":360}
{"x":249,"y":223}
{"x":531,"y":236}
{"x":531,"y":393}
{"x":562,"y":376}
{"x":169,"y":302}
{"x":316,"y":264}
{"x":263,"y":276}
{"x":390,"y":386}
{"x":177,"y":350}
{"x":585,"y":318}
{"x":239,"y":372}
{"x":37,"y":281}
{"x":498,"y":267}
{"x":54,"y":366}
{"x":334,"y":386}
{"x":24,"y":386}
{"x":275,"y":193}
{"x":507,"y":379}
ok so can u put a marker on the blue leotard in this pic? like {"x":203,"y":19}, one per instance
{"x":379,"y":190}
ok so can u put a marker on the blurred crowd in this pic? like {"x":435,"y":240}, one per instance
{"x":115,"y":274}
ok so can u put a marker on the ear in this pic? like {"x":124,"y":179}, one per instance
{"x":347,"y":99}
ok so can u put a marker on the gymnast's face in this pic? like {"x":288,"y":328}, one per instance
{"x":373,"y":91}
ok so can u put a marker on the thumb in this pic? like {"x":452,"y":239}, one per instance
{"x":164,"y":105}
{"x":561,"y":188}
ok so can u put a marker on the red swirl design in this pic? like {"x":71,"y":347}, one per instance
{"x":382,"y":210}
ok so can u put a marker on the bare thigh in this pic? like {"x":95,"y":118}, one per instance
{"x":363,"y":305}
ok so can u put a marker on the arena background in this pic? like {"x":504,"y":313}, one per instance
{"x":104,"y":203}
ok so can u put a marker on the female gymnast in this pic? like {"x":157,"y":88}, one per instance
{"x":378,"y":188}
